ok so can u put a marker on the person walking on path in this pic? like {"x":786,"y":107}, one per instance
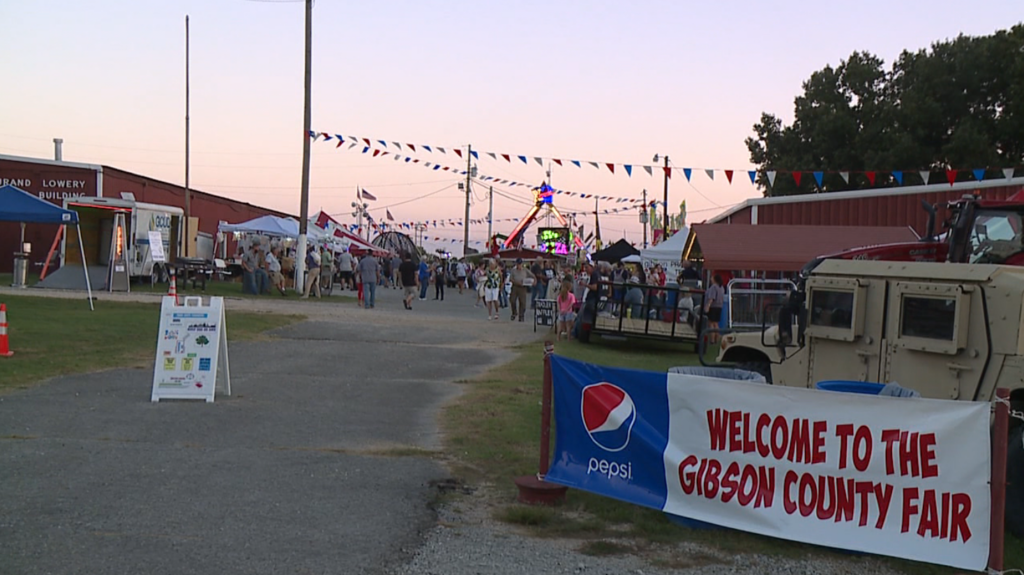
{"x":714,"y":299}
{"x":460,"y":274}
{"x":312,"y":272}
{"x":479,"y":275}
{"x":566,"y":311}
{"x":540,"y":287}
{"x":369,"y":273}
{"x":396,"y":262}
{"x":409,"y":275}
{"x":424,"y":277}
{"x":492,"y":282}
{"x":345,"y":270}
{"x":522,"y":280}
{"x":439,"y":280}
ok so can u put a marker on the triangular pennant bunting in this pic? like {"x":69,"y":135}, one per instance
{"x":687,"y":172}
{"x":629,"y":169}
{"x":611,"y":168}
{"x":978,"y":174}
{"x":710,"y":173}
{"x":1008,"y":172}
{"x":797,"y":176}
{"x":925,"y":176}
{"x":728,"y":175}
{"x":871,"y":177}
{"x":458,"y":151}
{"x":819,"y":177}
{"x":898,"y":175}
{"x":951,"y":176}
{"x":523,"y":158}
{"x":753,"y":176}
{"x":540,"y":161}
{"x":845,"y":176}
{"x":648,"y":170}
{"x":576,"y":162}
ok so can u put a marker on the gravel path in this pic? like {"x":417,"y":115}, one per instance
{"x":459,"y":538}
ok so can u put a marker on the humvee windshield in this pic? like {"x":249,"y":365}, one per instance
{"x":996,"y":236}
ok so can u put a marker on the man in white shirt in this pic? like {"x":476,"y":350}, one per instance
{"x":274,"y":270}
{"x":345,"y":268}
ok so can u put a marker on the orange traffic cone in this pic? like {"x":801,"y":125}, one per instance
{"x":173,"y":291}
{"x":5,"y":350}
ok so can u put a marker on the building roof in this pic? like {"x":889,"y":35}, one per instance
{"x":871,"y":193}
{"x":781,"y":248}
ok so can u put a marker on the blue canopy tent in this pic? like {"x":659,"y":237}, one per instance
{"x":17,"y":205}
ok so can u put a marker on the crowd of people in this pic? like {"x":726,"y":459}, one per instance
{"x":497,"y":284}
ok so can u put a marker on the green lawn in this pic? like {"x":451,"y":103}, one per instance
{"x":493,"y":432}
{"x":51,"y":336}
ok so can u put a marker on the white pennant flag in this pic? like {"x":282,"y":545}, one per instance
{"x":845,"y":176}
{"x":925,"y":176}
{"x":492,"y":155}
{"x":648,"y":170}
{"x":397,"y":157}
{"x":771,"y":178}
{"x":594,"y":164}
{"x":1008,"y":172}
{"x":352,"y":145}
{"x":711,"y":174}
{"x":397,"y":145}
{"x":442,"y":150}
{"x":539,"y":161}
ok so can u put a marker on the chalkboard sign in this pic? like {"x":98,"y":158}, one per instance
{"x":545,"y":313}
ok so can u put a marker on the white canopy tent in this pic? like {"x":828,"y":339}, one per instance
{"x":274,"y":226}
{"x":668,"y":253}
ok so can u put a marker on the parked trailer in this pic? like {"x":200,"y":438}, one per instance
{"x":96,"y":217}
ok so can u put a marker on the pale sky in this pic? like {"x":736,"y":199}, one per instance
{"x":589,"y":80}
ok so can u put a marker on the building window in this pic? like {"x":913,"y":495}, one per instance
{"x":830,"y":308}
{"x":928,"y":317}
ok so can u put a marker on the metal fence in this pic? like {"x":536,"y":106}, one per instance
{"x":749,"y":299}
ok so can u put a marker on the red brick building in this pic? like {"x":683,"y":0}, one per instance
{"x":57,"y":181}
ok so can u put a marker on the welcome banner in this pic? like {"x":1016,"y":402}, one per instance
{"x":894,"y":476}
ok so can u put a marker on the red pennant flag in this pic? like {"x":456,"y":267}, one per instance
{"x":375,"y":152}
{"x":728,"y":175}
{"x":507,"y":158}
{"x":668,"y":172}
{"x":797,"y":176}
{"x":340,"y":142}
{"x":611,"y":167}
{"x":415,"y":161}
{"x":951,"y":176}
{"x":367,"y":140}
{"x":871,"y":177}
{"x":382,"y":154}
{"x":559,"y":162}
{"x":459,"y":152}
{"x":325,"y":135}
{"x":445,"y":168}
{"x":411,"y":147}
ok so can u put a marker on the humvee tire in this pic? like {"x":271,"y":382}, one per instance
{"x":1015,"y":483}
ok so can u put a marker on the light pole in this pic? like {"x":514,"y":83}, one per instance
{"x":306,"y":122}
{"x":664,"y":231}
{"x":643,"y":217}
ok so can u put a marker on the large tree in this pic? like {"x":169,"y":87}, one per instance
{"x":959,"y":105}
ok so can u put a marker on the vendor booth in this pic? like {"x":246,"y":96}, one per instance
{"x":668,"y":253}
{"x":17,"y":205}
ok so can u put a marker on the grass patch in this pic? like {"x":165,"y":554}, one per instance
{"x":604,"y":548}
{"x":53,"y":336}
{"x":493,"y":433}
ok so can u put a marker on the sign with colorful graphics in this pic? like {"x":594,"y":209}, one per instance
{"x":191,"y":351}
{"x":906,"y":477}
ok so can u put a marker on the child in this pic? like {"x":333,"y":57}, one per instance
{"x":566,"y":302}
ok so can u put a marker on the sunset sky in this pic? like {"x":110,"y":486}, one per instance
{"x":588,"y":80}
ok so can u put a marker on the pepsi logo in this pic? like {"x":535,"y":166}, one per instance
{"x":608,"y":415}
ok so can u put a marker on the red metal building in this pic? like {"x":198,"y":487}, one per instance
{"x":57,"y":181}
{"x":888,"y":207}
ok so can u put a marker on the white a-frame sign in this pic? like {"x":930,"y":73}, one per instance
{"x":191,"y":350}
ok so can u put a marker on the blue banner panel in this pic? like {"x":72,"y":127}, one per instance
{"x":612,"y":430}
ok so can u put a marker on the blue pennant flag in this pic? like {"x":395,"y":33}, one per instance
{"x":979,"y":174}
{"x":577,"y":162}
{"x":629,"y":169}
{"x":366,"y":149}
{"x":340,"y":139}
{"x":408,"y":159}
{"x":327,"y":137}
{"x":312,"y":134}
{"x":427,"y":148}
{"x":437,"y":166}
{"x":523,"y":158}
{"x":475,"y":155}
{"x":899,"y":177}
{"x":383,"y":143}
{"x":818,"y":177}
{"x":687,"y":172}
{"x":753,"y":176}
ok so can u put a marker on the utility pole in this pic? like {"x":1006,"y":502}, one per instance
{"x":465,"y":221}
{"x":300,"y":258}
{"x":597,"y":225}
{"x":664,"y":232}
{"x":643,"y":217}
{"x":490,"y":213}
{"x":188,"y":193}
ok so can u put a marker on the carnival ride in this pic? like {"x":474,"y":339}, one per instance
{"x":543,"y":200}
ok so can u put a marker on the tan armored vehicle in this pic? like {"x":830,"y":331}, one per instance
{"x":946,"y":331}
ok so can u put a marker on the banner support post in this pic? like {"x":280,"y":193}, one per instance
{"x":1000,"y":434}
{"x":545,"y":413}
{"x":533,"y":489}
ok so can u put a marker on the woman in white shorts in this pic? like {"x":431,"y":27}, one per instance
{"x":491,"y":285}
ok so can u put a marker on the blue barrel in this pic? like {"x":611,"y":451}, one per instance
{"x":863,"y":387}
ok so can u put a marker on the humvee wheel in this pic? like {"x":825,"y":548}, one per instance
{"x":762,"y":367}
